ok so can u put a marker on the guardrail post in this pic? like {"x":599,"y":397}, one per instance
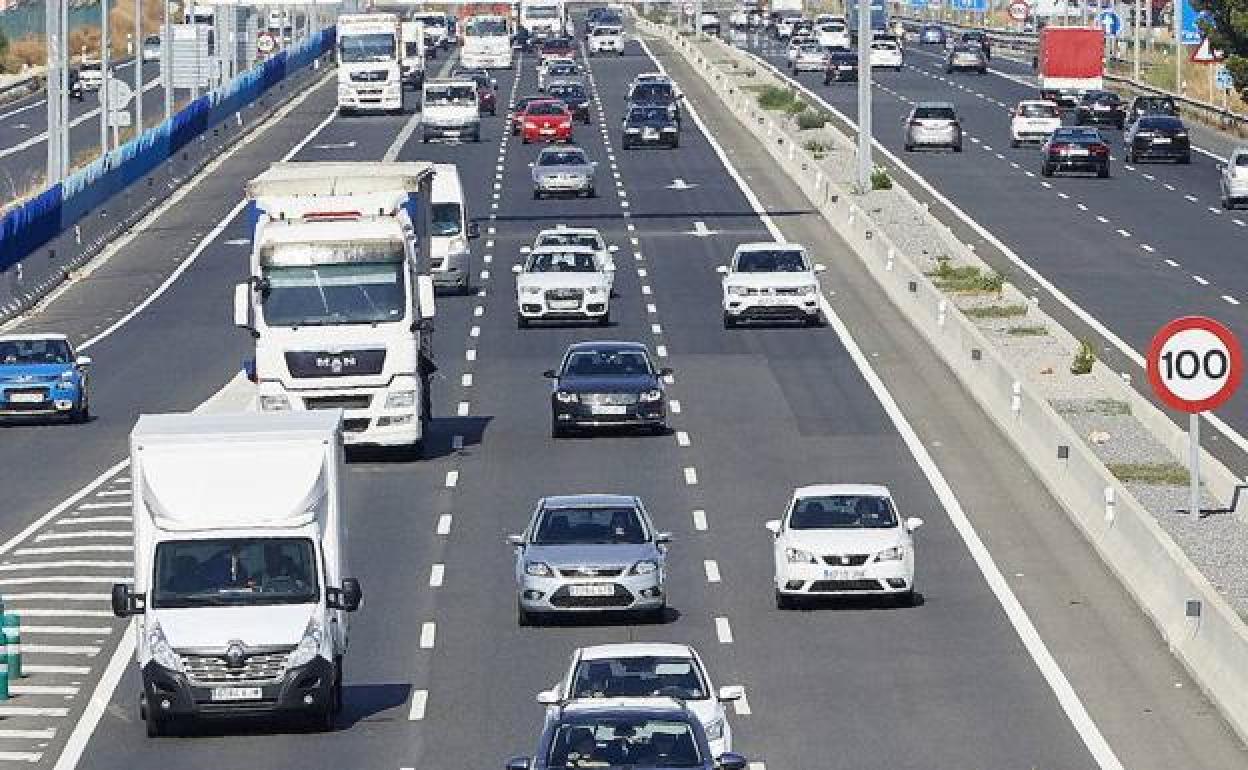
{"x":12,"y":644}
{"x":1016,"y":398}
{"x":1110,"y":505}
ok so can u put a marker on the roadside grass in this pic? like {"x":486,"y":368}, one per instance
{"x":1160,"y":474}
{"x":996,"y":311}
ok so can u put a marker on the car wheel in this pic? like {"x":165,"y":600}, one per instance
{"x":785,"y":602}
{"x":337,"y":699}
{"x":537,"y":195}
{"x":906,"y":598}
{"x":476,"y":136}
{"x":815,"y":320}
{"x":1103,"y":171}
{"x":675,"y":143}
{"x":424,"y":139}
{"x":1014,"y":143}
{"x":908,"y":147}
{"x":605,"y":319}
{"x":729,"y":321}
{"x":657,"y":616}
{"x":592,"y":193}
{"x":156,"y":727}
{"x":957,"y":147}
{"x":1186,"y":160}
{"x":1226,"y":203}
{"x":83,"y":412}
{"x":524,"y":139}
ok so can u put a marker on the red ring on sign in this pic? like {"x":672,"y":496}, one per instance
{"x":1232,"y":348}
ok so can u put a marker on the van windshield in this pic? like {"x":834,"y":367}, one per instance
{"x":232,"y":572}
{"x":444,"y":219}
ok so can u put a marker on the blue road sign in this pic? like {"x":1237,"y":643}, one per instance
{"x":1110,"y":22}
{"x":1189,"y":26}
{"x":1223,"y":78}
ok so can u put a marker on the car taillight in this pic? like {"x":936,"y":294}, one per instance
{"x":1099,"y":149}
{"x":1059,"y":147}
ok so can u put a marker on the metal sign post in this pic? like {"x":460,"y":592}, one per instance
{"x":138,"y":66}
{"x":865,"y":164}
{"x":105,"y":74}
{"x":1194,"y":365}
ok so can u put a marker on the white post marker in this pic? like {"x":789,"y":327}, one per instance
{"x":1195,"y":365}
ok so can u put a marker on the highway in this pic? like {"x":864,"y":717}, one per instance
{"x":1024,"y":653}
{"x":1153,"y":230}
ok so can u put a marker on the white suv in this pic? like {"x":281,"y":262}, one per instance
{"x":843,"y":540}
{"x":1033,"y":120}
{"x":562,"y":283}
{"x":630,"y":671}
{"x":769,"y":282}
{"x":606,"y":40}
{"x":580,"y":236}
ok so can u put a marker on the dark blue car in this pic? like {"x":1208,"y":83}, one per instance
{"x":607,"y":384}
{"x":651,"y":124}
{"x":41,"y":377}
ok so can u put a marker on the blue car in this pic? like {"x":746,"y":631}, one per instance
{"x":40,"y":376}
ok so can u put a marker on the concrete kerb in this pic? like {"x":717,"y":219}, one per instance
{"x":1202,"y":629}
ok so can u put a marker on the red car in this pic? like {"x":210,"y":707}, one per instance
{"x":517,"y":115}
{"x":548,"y":120}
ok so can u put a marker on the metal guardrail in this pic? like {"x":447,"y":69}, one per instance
{"x":1026,"y":42}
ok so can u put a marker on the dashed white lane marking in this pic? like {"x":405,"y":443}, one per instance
{"x":1149,"y":177}
{"x":646,"y":289}
{"x":478,"y":311}
{"x":1081,"y":207}
{"x":674,"y":406}
{"x":1063,"y":196}
{"x":742,"y":706}
{"x":1168,"y":186}
{"x":437,"y":573}
{"x":723,"y":631}
{"x":691,"y":476}
{"x":656,"y":329}
{"x":1124,"y":233}
{"x":470,"y":354}
{"x":444,"y":524}
{"x":420,"y":701}
{"x":1147,"y":248}
{"x":45,"y":734}
{"x":1213,"y":210}
{"x":651,"y":308}
{"x":457,"y":442}
{"x":1229,"y":299}
{"x":474,"y":331}
{"x":95,"y":520}
{"x":1239,"y":222}
{"x":466,"y":380}
{"x":114,"y":493}
{"x":428,"y":633}
{"x":485,"y":275}
{"x":699,"y":520}
{"x":1172,"y":263}
{"x":712,"y":570}
{"x":1046,"y":185}
{"x":661,"y":350}
{"x":1200,"y":280}
{"x":452,"y":478}
{"x":20,"y":756}
{"x":462,"y":409}
{"x":99,"y":506}
{"x":1103,"y":220}
{"x":1191,"y":198}
{"x":682,"y":438}
{"x":758,"y":766}
{"x":641,"y":271}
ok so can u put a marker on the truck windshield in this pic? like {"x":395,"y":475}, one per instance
{"x":244,"y":571}
{"x":541,"y":13}
{"x":357,"y":293}
{"x":444,"y":219}
{"x":451,"y":95}
{"x":364,"y":48}
{"x":486,"y":28}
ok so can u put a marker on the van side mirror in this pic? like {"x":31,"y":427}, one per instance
{"x":242,"y":308}
{"x":665,"y":371}
{"x":722,"y":269}
{"x":425,"y":296}
{"x":731,"y":761}
{"x":548,"y":697}
{"x":126,"y":602}
{"x":474,"y":230}
{"x":663,"y":537}
{"x":347,"y":598}
{"x":731,"y":693}
{"x":518,"y":763}
{"x":549,"y":374}
{"x":517,"y":269}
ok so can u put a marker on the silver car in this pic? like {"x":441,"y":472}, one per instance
{"x":933,"y":124}
{"x":590,"y":553}
{"x":563,"y":171}
{"x":810,"y":58}
{"x":1234,"y":179}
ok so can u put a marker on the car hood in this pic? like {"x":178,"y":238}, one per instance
{"x":608,"y":384}
{"x":647,"y":123}
{"x":10,"y":373}
{"x":555,"y":170}
{"x":830,"y":541}
{"x":770,"y":280}
{"x":562,"y":280}
{"x":590,"y":555}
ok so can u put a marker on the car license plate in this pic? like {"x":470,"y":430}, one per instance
{"x":1077,"y":151}
{"x":650,"y":133}
{"x":236,"y":693}
{"x":547,"y":131}
{"x":770,"y":300}
{"x":1101,"y":108}
{"x":1161,"y":140}
{"x":564,"y":304}
{"x":26,"y":398}
{"x":611,"y":409}
{"x":595,"y":589}
{"x":844,"y":574}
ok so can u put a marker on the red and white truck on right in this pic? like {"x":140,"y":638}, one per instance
{"x":1070,"y":62}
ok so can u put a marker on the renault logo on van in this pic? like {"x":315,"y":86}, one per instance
{"x":235,"y":655}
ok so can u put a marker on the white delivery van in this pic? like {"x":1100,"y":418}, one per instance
{"x":449,"y":110}
{"x":412,"y":57}
{"x":240,"y":597}
{"x":450,"y":254}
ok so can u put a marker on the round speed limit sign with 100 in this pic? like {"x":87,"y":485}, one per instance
{"x":1194,"y":364}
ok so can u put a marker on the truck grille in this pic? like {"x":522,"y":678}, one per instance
{"x":213,"y":669}
{"x":347,"y":363}
{"x":372,"y":76}
{"x":337,"y":402}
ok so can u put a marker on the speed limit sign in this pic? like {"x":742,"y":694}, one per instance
{"x":265,"y":43}
{"x":1194,"y":364}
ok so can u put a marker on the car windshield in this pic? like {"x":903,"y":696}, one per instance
{"x":1167,"y":124}
{"x":547,"y":108}
{"x":843,"y":512}
{"x":570,"y":239}
{"x":562,"y":262}
{"x":601,"y":31}
{"x":607,"y":525}
{"x":606,"y":363}
{"x":199,"y":573}
{"x":1080,"y":135}
{"x":1241,"y":160}
{"x":562,"y":158}
{"x":464,"y":94}
{"x":934,"y":113}
{"x":567,"y":91}
{"x":1101,"y":97}
{"x":1038,"y":111}
{"x":321,"y":295}
{"x":444,"y":219}
{"x":633,"y":742}
{"x":17,"y":352}
{"x":365,"y":48}
{"x":640,"y":677}
{"x":1153,"y":104}
{"x":771,"y":261}
{"x":652,"y":92}
{"x":648,"y":114}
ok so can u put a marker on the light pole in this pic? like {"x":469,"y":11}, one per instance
{"x":865,"y":166}
{"x":138,"y":67}
{"x":1178,"y":45}
{"x":166,"y":57}
{"x":105,"y":76}
{"x":57,"y":66}
{"x":1135,"y":40}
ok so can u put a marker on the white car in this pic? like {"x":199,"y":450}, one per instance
{"x":771,"y":281}
{"x":1033,"y":120}
{"x":1233,"y":179}
{"x":151,"y":48}
{"x":561,"y":283}
{"x":91,"y":74}
{"x":606,"y":39}
{"x":580,"y":236}
{"x":631,"y":671}
{"x":556,"y":67}
{"x":886,"y":54}
{"x":833,"y":33}
{"x":810,"y":58}
{"x":843,"y":540}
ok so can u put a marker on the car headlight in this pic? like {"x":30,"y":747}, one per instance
{"x":806,"y":291}
{"x":738,"y":291}
{"x":633,"y":130}
{"x":798,"y":556}
{"x":644,"y":567}
{"x":67,"y":376}
{"x":537,"y":569}
{"x":651,"y":396}
{"x":309,"y":646}
{"x":566,"y":398}
{"x":715,"y":730}
{"x":401,"y":399}
{"x":159,"y":648}
{"x":669,"y":129}
{"x":896,"y":553}
{"x":274,"y":403}
{"x":532,"y":290}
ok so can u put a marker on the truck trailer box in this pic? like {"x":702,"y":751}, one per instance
{"x":1070,"y":60}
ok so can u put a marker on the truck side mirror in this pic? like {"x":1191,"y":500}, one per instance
{"x":474,"y":230}
{"x":242,"y":307}
{"x":424,"y":295}
{"x":347,"y":598}
{"x":126,"y":603}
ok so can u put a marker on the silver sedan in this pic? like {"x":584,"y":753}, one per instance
{"x":563,"y":171}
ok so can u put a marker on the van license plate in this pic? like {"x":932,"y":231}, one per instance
{"x":236,"y":693}
{"x":597,"y":589}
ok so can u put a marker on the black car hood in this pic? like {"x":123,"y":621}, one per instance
{"x":649,"y":123}
{"x":634,"y":384}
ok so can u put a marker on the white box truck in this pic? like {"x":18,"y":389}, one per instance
{"x":369,"y":77}
{"x":240,"y":597}
{"x":339,"y":299}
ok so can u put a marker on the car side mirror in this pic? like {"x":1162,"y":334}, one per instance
{"x":731,"y":693}
{"x":516,"y":540}
{"x":731,"y":761}
{"x":613,"y":248}
{"x":594,"y":163}
{"x":773,"y":526}
{"x":665,"y":371}
{"x":548,"y":697}
{"x":722,"y":270}
{"x":474,"y":230}
{"x":242,"y":307}
{"x":82,"y":362}
{"x":126,"y":602}
{"x":821,"y":268}
{"x":518,"y":763}
{"x":913,"y":523}
{"x":530,"y":165}
{"x":549,"y":374}
{"x":517,"y":269}
{"x":663,"y":537}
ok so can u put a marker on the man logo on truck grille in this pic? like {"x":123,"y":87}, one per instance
{"x":336,"y":363}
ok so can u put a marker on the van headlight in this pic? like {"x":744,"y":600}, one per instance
{"x":537,"y":569}
{"x":309,"y":646}
{"x":401,"y":399}
{"x":896,"y":553}
{"x":644,"y":567}
{"x":565,"y":397}
{"x":806,"y":291}
{"x":274,"y":403}
{"x":738,"y":291}
{"x":594,"y":290}
{"x":159,"y":648}
{"x":532,"y":290}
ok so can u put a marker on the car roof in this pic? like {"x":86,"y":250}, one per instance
{"x":1037,"y":103}
{"x":769,"y":246}
{"x":588,"y":500}
{"x":636,"y":650}
{"x":34,"y":336}
{"x":826,"y":490}
{"x":561,"y":148}
{"x":607,"y":345}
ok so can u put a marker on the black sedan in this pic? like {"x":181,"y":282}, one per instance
{"x":574,"y":95}
{"x":842,"y":67}
{"x":1075,"y":149}
{"x":607,"y":384}
{"x":980,"y":38}
{"x":1101,"y":108}
{"x":650,"y":124}
{"x":1158,"y":136}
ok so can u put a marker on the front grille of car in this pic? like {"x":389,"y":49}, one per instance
{"x":347,"y":363}
{"x":846,"y":559}
{"x":337,"y":402}
{"x":609,"y":399}
{"x":580,"y":572}
{"x":370,"y":76}
{"x":830,"y":586}
{"x":355,"y":424}
{"x":264,"y":667}
{"x":564,"y":598}
{"x":563,"y":295}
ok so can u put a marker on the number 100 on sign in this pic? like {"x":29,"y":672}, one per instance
{"x":1194,"y":364}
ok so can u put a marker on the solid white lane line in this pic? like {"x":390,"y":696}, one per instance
{"x":699,"y":520}
{"x":712,"y":570}
{"x":437,"y":573}
{"x":420,"y":701}
{"x":452,"y":478}
{"x":682,"y":438}
{"x":691,"y":476}
{"x":428,"y":633}
{"x":723,"y":631}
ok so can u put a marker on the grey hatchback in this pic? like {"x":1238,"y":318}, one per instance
{"x":590,"y":553}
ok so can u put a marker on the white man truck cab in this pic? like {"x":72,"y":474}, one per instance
{"x":339,"y":299}
{"x":486,"y":43}
{"x":240,"y":598}
{"x":369,"y":75}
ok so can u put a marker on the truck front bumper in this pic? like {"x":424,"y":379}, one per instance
{"x":388,"y":97}
{"x":306,"y":690}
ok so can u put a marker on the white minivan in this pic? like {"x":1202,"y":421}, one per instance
{"x":450,"y":254}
